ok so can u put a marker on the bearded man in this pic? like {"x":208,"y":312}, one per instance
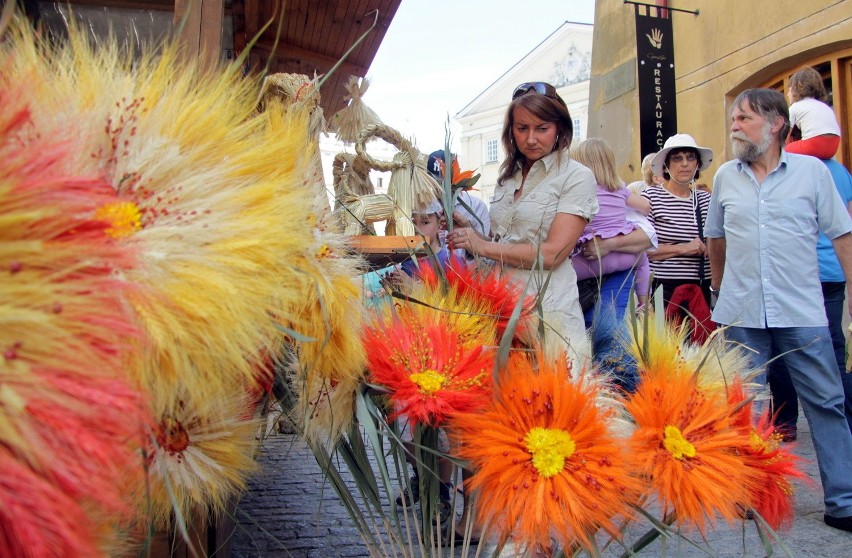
{"x":765,"y":215}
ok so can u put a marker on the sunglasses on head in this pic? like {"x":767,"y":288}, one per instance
{"x":539,"y":87}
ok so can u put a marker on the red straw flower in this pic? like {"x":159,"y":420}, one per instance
{"x":429,"y":373}
{"x":498,"y":294}
{"x":773,"y":496}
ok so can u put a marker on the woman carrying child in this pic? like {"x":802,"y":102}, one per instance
{"x":611,"y":219}
{"x":612,"y":271}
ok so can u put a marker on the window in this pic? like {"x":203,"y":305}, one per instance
{"x":491,"y":151}
{"x":576,"y":129}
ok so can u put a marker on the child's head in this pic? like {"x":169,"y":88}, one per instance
{"x":648,"y":175}
{"x":427,"y":221}
{"x":596,"y":154}
{"x":806,"y":83}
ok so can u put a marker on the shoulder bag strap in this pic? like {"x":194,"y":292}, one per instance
{"x":700,"y":225}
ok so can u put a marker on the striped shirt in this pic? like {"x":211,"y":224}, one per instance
{"x":674,"y":220}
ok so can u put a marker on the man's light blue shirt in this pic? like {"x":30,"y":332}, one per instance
{"x":771,"y":276}
{"x":829,"y":267}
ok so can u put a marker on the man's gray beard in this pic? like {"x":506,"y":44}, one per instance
{"x":746,"y":150}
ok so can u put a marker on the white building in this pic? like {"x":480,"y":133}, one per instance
{"x":563,"y":59}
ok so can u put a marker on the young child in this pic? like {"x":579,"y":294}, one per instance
{"x":427,"y":221}
{"x":809,"y":113}
{"x":613,"y":199}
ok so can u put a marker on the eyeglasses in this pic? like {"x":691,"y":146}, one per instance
{"x":539,"y":87}
{"x":689,"y":157}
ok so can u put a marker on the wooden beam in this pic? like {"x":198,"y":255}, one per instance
{"x":165,"y":5}
{"x":187,"y":22}
{"x":201,"y":33}
{"x":210,"y":43}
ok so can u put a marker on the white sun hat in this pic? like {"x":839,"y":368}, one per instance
{"x":434,"y":206}
{"x":679,"y":141}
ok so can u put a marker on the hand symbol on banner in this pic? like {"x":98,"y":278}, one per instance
{"x":656,"y":38}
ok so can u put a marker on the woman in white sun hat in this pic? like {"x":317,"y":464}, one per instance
{"x":678,"y":211}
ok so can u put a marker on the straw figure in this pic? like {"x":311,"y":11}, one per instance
{"x":411,"y":187}
{"x":352,"y":182}
{"x":354,"y":117}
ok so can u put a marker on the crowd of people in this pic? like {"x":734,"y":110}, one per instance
{"x":760,"y":250}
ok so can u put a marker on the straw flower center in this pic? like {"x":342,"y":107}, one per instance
{"x":429,"y":381}
{"x":123,"y":217}
{"x":676,"y":444}
{"x":550,"y":447}
{"x":172,"y":436}
{"x":323,"y":252}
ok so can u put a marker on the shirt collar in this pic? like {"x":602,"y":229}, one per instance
{"x":742,"y":166}
{"x":548,"y":161}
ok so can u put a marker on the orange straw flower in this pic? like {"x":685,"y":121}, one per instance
{"x":429,"y":373}
{"x":545,"y":464}
{"x":685,"y":445}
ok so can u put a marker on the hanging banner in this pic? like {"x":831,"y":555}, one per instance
{"x":656,"y":79}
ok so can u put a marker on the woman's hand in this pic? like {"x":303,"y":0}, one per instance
{"x":635,"y":242}
{"x":595,"y":248}
{"x":694,"y":247}
{"x":467,"y":239}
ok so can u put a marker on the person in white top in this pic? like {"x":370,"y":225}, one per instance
{"x":815,"y":120}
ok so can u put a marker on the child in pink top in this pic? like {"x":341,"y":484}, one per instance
{"x":815,"y":119}
{"x":611,"y":220}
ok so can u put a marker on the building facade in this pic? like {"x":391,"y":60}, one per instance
{"x":563,"y":59}
{"x":729,"y":46}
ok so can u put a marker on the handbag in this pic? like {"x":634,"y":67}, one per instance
{"x":589,"y":291}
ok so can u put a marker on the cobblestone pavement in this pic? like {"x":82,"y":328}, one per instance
{"x":290,"y":510}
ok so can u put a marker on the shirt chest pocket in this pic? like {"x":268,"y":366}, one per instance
{"x":794,"y":213}
{"x":539,"y":207}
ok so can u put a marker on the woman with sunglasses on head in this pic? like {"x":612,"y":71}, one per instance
{"x":540,"y":207}
{"x":678,"y":212}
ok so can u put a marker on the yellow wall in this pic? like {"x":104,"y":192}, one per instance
{"x":730,"y":46}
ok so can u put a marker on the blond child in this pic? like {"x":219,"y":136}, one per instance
{"x":611,"y":220}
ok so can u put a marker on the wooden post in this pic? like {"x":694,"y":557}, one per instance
{"x":201,"y":33}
